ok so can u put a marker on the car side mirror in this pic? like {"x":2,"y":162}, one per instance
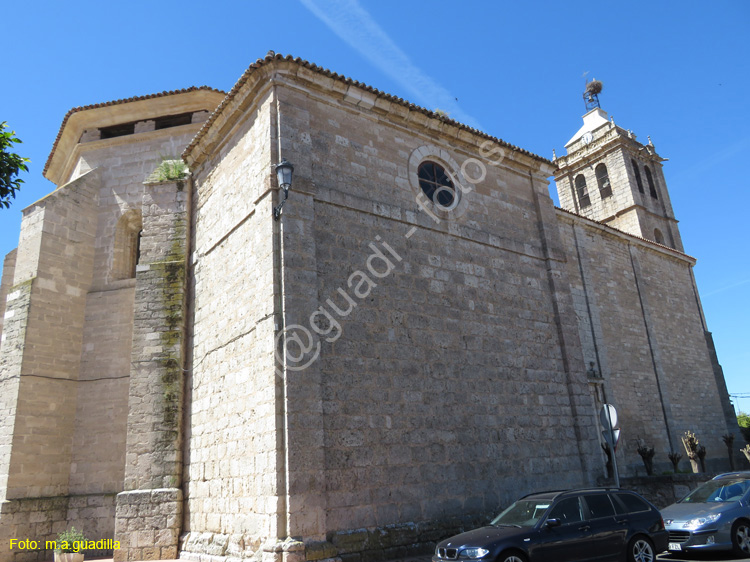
{"x":553,"y":522}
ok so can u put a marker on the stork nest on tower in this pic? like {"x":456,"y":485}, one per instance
{"x":594,"y":87}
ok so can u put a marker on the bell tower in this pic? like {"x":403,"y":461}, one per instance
{"x":610,"y":177}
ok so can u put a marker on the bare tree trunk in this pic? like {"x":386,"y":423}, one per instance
{"x":729,"y":442}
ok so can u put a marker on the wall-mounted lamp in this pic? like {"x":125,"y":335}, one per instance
{"x":284,"y":171}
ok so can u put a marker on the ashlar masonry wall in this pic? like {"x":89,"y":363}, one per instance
{"x":98,"y":462}
{"x":96,"y":405}
{"x":9,"y":267}
{"x":234,"y":440}
{"x":641,"y":326}
{"x":57,"y":258}
{"x":466,"y":348}
{"x":679,"y":333}
{"x":149,"y":510}
{"x":40,"y":358}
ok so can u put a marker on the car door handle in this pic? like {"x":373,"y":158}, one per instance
{"x":585,"y":528}
{"x":623,"y":521}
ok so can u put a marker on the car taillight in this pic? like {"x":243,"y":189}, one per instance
{"x":661,"y":523}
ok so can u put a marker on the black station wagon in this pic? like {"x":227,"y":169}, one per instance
{"x":569,"y":526}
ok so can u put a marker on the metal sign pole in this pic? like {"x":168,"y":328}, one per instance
{"x":612,"y":444}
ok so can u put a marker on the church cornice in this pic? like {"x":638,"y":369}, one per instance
{"x":357,"y":93}
{"x":622,"y":234}
{"x":643,"y":208}
{"x":72,"y":113}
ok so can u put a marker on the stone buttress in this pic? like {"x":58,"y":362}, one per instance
{"x":149,"y":510}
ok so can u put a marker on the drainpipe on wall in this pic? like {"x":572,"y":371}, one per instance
{"x":279,"y":327}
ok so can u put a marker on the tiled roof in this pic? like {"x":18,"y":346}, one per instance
{"x":118,"y":102}
{"x":610,"y":227}
{"x":349,"y":81}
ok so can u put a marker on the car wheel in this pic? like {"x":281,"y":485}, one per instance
{"x":511,"y":557}
{"x":741,"y":537}
{"x":640,"y":549}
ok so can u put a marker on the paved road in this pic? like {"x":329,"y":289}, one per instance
{"x":719,"y":557}
{"x":722,"y":557}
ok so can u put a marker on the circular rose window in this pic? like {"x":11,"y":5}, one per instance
{"x":436,"y":184}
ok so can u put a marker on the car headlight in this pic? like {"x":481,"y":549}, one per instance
{"x":700,"y":521}
{"x":473,"y":553}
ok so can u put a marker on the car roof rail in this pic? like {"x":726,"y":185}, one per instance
{"x":745,"y":473}
{"x":600,"y":489}
{"x":576,"y":491}
{"x":542,"y":492}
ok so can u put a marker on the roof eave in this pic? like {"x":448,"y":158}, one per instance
{"x":226,"y":105}
{"x":114,"y":112}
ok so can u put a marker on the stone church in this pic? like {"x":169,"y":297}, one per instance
{"x":225,"y":364}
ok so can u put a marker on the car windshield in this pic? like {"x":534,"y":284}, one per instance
{"x":523,"y":513}
{"x":718,"y":491}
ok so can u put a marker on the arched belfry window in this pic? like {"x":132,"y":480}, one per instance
{"x":658,"y":236}
{"x":638,"y":179}
{"x":582,"y":191}
{"x":127,"y":245}
{"x":436,"y":184}
{"x":602,"y":178}
{"x":651,"y":186}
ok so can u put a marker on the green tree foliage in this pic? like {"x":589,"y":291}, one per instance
{"x":743,"y":420}
{"x":10,"y":166}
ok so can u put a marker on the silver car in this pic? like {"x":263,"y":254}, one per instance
{"x":714,"y":516}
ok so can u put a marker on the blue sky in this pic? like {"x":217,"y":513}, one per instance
{"x":677,"y":71}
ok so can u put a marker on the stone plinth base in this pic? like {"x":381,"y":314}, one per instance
{"x":389,"y":542}
{"x":214,"y":547}
{"x":147,"y":524}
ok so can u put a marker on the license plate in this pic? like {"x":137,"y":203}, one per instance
{"x":675,"y":546}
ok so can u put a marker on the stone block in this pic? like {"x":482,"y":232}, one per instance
{"x":350,"y":541}
{"x":320,"y":550}
{"x":151,"y":553}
